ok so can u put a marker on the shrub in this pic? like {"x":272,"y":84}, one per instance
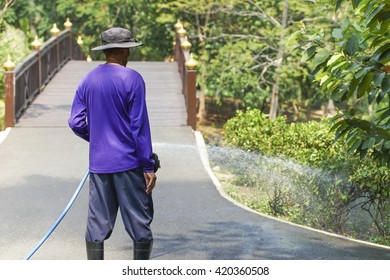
{"x":308,"y":143}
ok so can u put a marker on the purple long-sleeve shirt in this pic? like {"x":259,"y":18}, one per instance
{"x":109,"y":110}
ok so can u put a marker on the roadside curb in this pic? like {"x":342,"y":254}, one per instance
{"x":206,"y":163}
{"x":4,"y":134}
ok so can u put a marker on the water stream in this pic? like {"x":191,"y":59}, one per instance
{"x":293,"y":191}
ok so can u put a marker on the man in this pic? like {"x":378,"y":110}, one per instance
{"x":109,"y":111}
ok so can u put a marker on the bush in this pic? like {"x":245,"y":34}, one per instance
{"x":308,"y":143}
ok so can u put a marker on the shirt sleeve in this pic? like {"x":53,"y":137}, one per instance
{"x":140,"y":126}
{"x":78,"y":116}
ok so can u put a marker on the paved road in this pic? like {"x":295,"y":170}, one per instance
{"x":41,"y":166}
{"x":193,"y":221}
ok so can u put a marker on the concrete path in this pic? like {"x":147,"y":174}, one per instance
{"x":41,"y":167}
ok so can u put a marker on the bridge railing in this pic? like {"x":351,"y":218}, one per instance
{"x":25,"y":81}
{"x":187,"y":69}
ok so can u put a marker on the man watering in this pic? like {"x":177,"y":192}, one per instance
{"x":109,"y":111}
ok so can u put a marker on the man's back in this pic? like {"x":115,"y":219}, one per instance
{"x":114,"y":98}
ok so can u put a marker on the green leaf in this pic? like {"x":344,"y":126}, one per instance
{"x":321,"y":57}
{"x":352,"y":45}
{"x":353,"y":85}
{"x":339,"y":65}
{"x":351,"y":137}
{"x":362,"y":72}
{"x":383,"y":132}
{"x":361,"y":5}
{"x":385,"y":26}
{"x":386,"y":85}
{"x":379,"y":78}
{"x":337,"y":33}
{"x":308,"y":54}
{"x":324,"y":79}
{"x":352,"y":67}
{"x":355,"y":145}
{"x":380,"y":51}
{"x":355,"y":3}
{"x":369,"y":8}
{"x":341,"y":131}
{"x":374,"y":13}
{"x":333,"y":59}
{"x":365,"y":84}
{"x":338,"y":4}
{"x":384,"y":114}
{"x":380,"y":97}
{"x":363,"y":124}
{"x":337,"y":94}
{"x":372,"y":95}
{"x":369,"y":143}
{"x":385,"y":57}
{"x":363,"y":153}
{"x":311,"y":51}
{"x":357,"y":27}
{"x":293,"y":37}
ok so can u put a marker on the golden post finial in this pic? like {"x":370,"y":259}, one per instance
{"x":182,"y":32}
{"x":79,"y":40}
{"x":89,"y":59}
{"x":191,"y":64}
{"x":36,"y":44}
{"x":68,"y":24}
{"x":9,"y":65}
{"x":178,"y":25}
{"x":54,"y":31}
{"x":186,"y":45}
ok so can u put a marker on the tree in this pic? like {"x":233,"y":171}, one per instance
{"x":243,"y":51}
{"x":33,"y":17}
{"x":93,"y":17}
{"x":5,"y":7}
{"x":357,"y":70}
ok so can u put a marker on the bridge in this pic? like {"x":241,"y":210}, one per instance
{"x":42,"y":162}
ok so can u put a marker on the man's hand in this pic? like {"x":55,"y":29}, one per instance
{"x":151,"y":179}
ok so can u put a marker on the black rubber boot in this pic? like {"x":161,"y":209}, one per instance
{"x":95,"y":250}
{"x":142,"y":250}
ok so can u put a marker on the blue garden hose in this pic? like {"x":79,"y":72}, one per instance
{"x":60,"y":218}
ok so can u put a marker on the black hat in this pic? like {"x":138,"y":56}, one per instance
{"x":117,"y":37}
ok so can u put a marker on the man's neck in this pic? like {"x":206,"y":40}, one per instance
{"x":115,"y":62}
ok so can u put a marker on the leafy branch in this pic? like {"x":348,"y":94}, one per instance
{"x":358,"y":69}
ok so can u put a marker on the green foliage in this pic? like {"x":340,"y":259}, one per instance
{"x":237,"y":79}
{"x":93,"y":17}
{"x":90,"y":18}
{"x":362,"y":182}
{"x":357,"y":69}
{"x":33,"y":17}
{"x":374,"y":183}
{"x":308,"y":143}
{"x":238,"y":45}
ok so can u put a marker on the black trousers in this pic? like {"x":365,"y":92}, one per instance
{"x":124,"y":191}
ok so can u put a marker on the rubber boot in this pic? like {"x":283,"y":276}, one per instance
{"x":95,"y":250}
{"x":142,"y":250}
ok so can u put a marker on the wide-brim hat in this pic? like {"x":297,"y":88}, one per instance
{"x":117,"y":37}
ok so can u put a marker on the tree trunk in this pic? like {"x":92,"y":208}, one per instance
{"x":279,"y":61}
